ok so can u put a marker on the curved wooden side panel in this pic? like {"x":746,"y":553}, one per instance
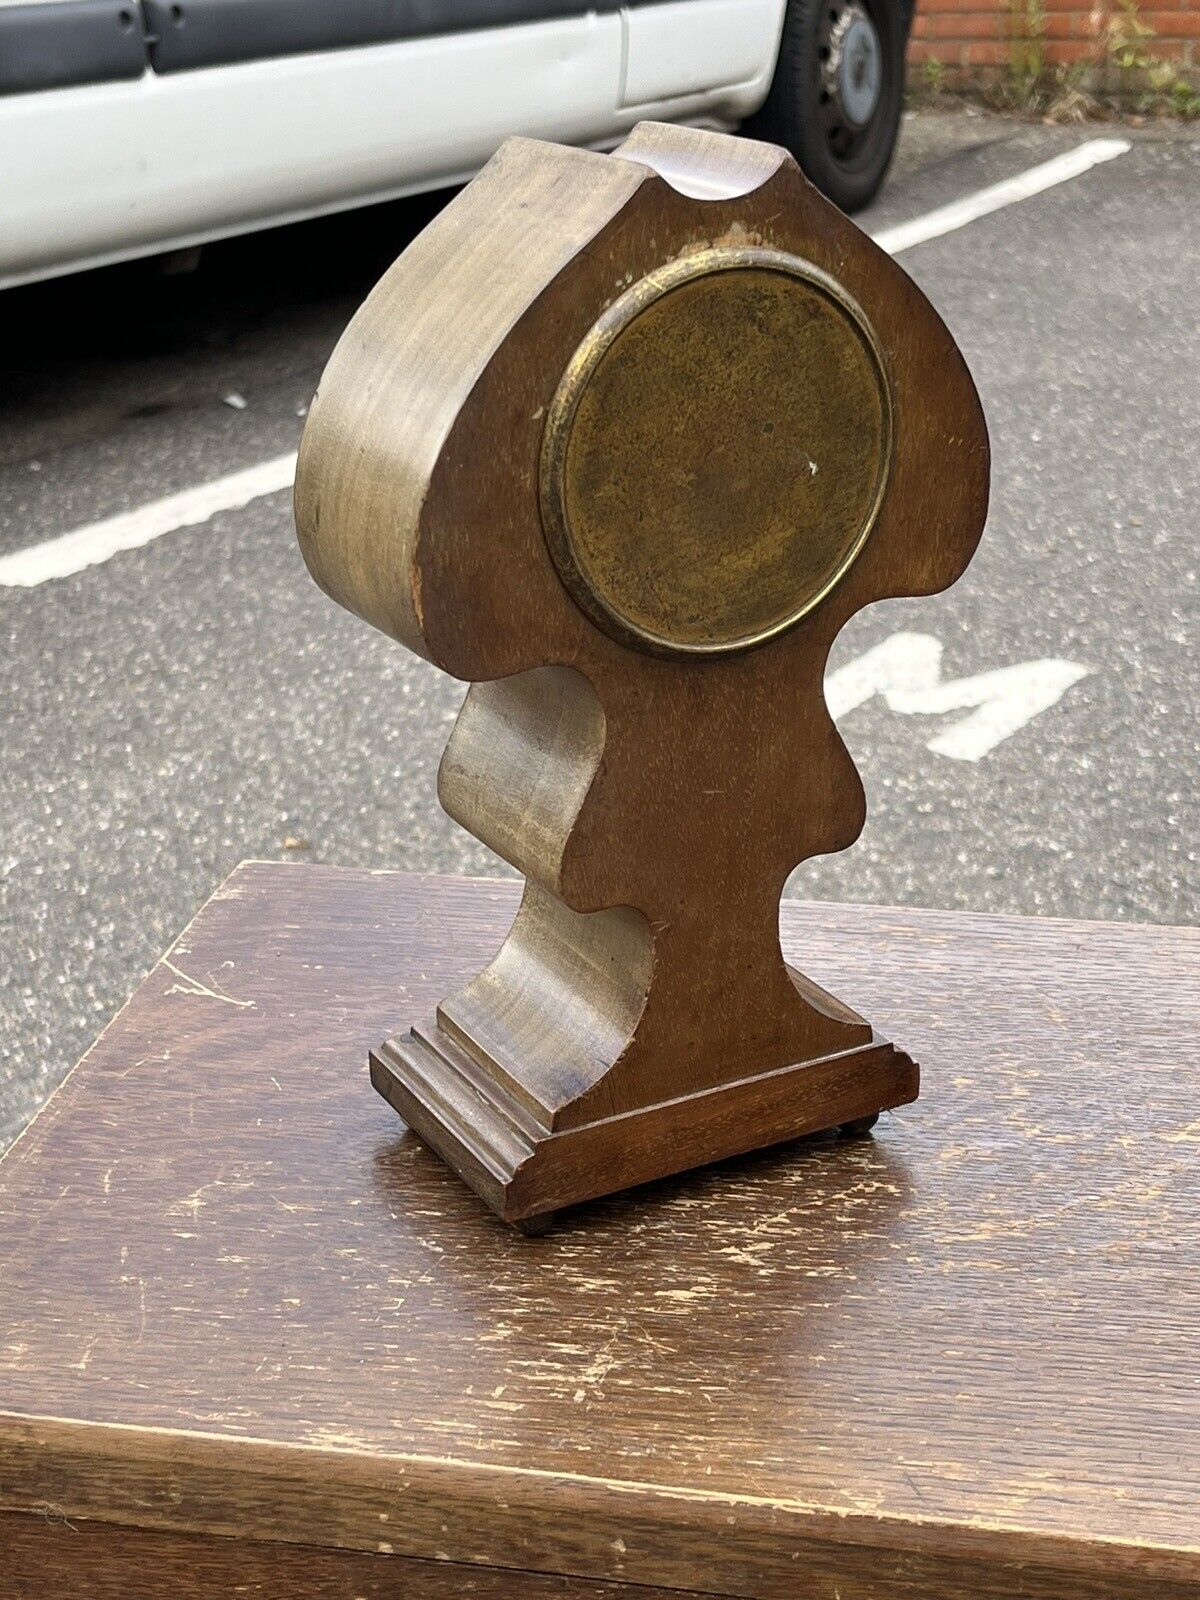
{"x":519,"y":764}
{"x":694,"y":165}
{"x":559,"y":1004}
{"x":400,"y":373}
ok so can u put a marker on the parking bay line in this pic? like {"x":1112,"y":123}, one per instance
{"x":96,"y":542}
{"x":1036,"y":180}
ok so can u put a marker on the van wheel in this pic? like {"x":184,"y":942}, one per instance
{"x":836,"y":96}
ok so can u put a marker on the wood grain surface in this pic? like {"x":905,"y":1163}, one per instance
{"x":239,"y":1302}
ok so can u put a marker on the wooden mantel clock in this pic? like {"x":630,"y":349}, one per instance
{"x":624,"y":440}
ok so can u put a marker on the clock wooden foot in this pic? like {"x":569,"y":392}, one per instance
{"x":533,"y":1227}
{"x":859,"y":1127}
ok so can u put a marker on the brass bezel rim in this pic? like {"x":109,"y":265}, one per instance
{"x":556,"y":437}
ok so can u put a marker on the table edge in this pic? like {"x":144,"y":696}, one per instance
{"x":302,"y":1493}
{"x":515,"y":882}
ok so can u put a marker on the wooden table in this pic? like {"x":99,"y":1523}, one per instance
{"x":255,"y":1339}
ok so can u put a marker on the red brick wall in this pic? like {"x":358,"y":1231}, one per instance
{"x":977,"y":38}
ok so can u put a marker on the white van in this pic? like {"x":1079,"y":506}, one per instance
{"x":130,"y":127}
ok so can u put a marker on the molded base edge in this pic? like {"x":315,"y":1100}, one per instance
{"x":523,"y":1171}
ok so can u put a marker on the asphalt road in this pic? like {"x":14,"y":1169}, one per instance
{"x":197,"y":702}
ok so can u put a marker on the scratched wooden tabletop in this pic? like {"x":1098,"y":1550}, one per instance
{"x":239,"y":1300}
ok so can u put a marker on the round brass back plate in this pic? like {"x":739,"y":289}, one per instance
{"x":716,"y":452}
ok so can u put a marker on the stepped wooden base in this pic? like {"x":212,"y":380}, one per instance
{"x":524,"y":1172}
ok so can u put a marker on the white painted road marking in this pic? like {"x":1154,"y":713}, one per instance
{"x":998,"y":195}
{"x":90,"y":545}
{"x":907,"y":671}
{"x":97,"y":541}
